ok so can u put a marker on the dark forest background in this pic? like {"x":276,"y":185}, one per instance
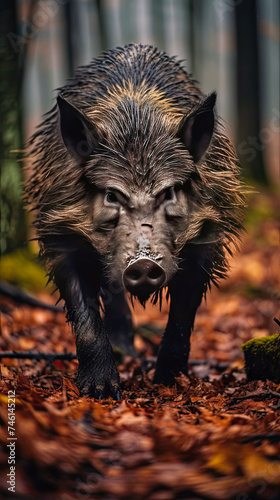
{"x":216,"y":434}
{"x":229,"y":45}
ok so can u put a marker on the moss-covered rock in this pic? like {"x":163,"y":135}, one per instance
{"x":262,"y":358}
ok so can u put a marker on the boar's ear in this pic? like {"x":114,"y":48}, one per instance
{"x":197,"y":129}
{"x":78,"y":133}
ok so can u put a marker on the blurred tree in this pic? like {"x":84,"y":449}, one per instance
{"x":101,"y":22}
{"x":70,"y":20}
{"x":250,"y":148}
{"x":13,"y":227}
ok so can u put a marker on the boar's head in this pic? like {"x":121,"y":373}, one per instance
{"x":139,"y":168}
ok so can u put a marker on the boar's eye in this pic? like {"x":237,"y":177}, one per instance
{"x":110,"y":197}
{"x":169,"y":194}
{"x":166,"y":195}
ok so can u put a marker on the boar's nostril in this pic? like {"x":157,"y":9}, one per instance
{"x":134,"y":275}
{"x":155,"y":273}
{"x":143,"y":277}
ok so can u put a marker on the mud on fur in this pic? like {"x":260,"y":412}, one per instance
{"x":135,"y":187}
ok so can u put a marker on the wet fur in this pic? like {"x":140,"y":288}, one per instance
{"x":136,"y":98}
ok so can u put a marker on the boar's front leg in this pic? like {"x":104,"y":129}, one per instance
{"x":97,"y":373}
{"x":186,"y":292}
{"x":118,"y":320}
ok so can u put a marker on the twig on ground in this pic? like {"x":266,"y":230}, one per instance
{"x":50,"y":356}
{"x":272,"y":436}
{"x":23,"y":298}
{"x":259,"y":395}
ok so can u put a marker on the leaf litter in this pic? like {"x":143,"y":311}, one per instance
{"x":214,"y":435}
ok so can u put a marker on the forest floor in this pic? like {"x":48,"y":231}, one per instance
{"x":212,"y":436}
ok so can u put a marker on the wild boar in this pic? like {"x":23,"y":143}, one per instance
{"x":136,"y":187}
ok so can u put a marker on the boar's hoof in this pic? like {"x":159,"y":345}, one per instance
{"x":99,"y":390}
{"x":166,"y":375}
{"x":100,"y":393}
{"x":164,"y":379}
{"x":143,"y":277}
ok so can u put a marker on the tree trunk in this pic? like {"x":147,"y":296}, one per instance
{"x":12,"y":50}
{"x":249,"y":146}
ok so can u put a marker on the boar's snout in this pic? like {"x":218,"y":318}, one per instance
{"x":143,"y":277}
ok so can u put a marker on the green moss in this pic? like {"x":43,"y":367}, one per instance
{"x":19,"y":268}
{"x":262,"y":358}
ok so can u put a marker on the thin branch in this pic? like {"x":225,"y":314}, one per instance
{"x":23,"y":298}
{"x":259,"y":395}
{"x":272,"y":436}
{"x":49,"y":356}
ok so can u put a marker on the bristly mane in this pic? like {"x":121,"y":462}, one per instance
{"x":136,"y":96}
